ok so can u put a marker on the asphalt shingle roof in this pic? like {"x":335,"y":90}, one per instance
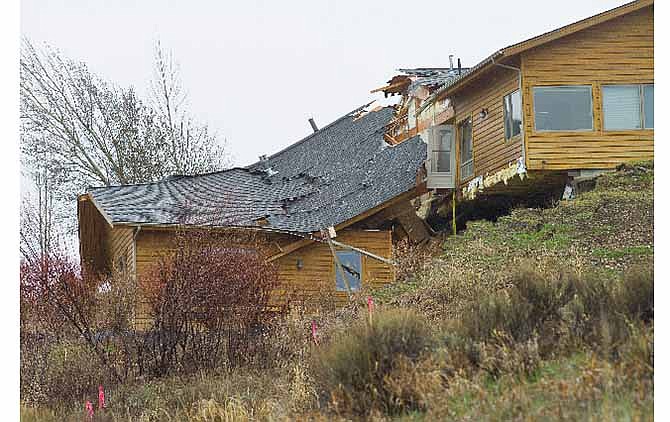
{"x":329,"y":177}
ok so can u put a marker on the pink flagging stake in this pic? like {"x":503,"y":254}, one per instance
{"x":89,"y":410}
{"x":101,"y":397}
{"x":316,"y":341}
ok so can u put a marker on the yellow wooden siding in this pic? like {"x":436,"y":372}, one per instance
{"x":318,"y":266}
{"x":618,"y":51}
{"x":93,"y":235}
{"x":150,"y":246}
{"x":120,"y":241}
{"x":490,"y":150}
{"x":318,"y":272}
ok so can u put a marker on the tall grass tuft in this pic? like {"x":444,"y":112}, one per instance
{"x":354,"y":367}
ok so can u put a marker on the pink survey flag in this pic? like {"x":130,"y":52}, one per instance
{"x":101,"y":397}
{"x":89,"y":409}
{"x":314,"y":332}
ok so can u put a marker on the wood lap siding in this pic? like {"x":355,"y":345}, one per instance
{"x":93,"y":233}
{"x":490,"y":150}
{"x":318,"y":272}
{"x":618,"y":51}
{"x":316,"y":275}
{"x":121,"y":244}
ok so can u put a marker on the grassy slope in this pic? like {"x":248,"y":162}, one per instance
{"x":610,"y":228}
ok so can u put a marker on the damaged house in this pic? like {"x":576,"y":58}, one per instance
{"x":538,"y":115}
{"x":343,"y":179}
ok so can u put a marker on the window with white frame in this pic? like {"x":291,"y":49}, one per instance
{"x":512,"y":114}
{"x":465,"y":138}
{"x":563,"y":108}
{"x":440,"y":142}
{"x":628,"y":107}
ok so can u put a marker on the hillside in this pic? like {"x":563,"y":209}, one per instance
{"x":546,"y":314}
{"x":610,"y":227}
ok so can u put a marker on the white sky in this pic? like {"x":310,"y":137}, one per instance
{"x":255,"y":71}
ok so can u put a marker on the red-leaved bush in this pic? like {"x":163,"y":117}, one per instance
{"x":208,"y":303}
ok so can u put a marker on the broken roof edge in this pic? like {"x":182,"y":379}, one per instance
{"x":536,"y":41}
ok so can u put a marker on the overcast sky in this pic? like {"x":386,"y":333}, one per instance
{"x":255,"y":71}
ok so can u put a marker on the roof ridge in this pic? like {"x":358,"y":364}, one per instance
{"x":593,"y":20}
{"x":171,"y":178}
{"x":308,"y":137}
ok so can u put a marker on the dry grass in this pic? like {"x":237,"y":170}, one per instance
{"x":544,"y":315}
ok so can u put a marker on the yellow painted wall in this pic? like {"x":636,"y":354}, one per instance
{"x":318,"y":270}
{"x":491,"y":152}
{"x":620,"y":50}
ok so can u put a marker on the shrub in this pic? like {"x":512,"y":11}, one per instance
{"x":533,"y":302}
{"x":411,"y":259}
{"x":353,"y":368}
{"x":60,"y":374}
{"x":637,"y":354}
{"x":636,"y":294}
{"x":208,"y":302}
{"x":59,"y":304}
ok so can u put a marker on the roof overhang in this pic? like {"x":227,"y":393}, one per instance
{"x":515,"y":49}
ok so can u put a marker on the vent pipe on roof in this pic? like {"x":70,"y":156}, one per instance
{"x":451,"y":62}
{"x":263,"y":162}
{"x":315,"y":128}
{"x":459,"y":66}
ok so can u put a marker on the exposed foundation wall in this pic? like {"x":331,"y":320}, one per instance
{"x":618,"y":51}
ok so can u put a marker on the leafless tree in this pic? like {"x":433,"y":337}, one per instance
{"x":192,"y":149}
{"x":88,"y":132}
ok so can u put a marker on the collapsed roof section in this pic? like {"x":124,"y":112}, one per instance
{"x":415,"y":86}
{"x":325,"y":179}
{"x":427,"y":77}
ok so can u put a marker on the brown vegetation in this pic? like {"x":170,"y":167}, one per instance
{"x":476,"y":333}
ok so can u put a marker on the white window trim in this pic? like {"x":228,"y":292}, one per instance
{"x":518,"y":135}
{"x":643,"y":123}
{"x":433,"y":138}
{"x":460,"y":152}
{"x":590,"y":87}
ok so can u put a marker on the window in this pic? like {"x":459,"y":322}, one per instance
{"x":512,"y":114}
{"x":563,"y":108}
{"x":465,"y":137}
{"x":351,"y":263}
{"x":441,"y":139}
{"x":628,"y":107}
